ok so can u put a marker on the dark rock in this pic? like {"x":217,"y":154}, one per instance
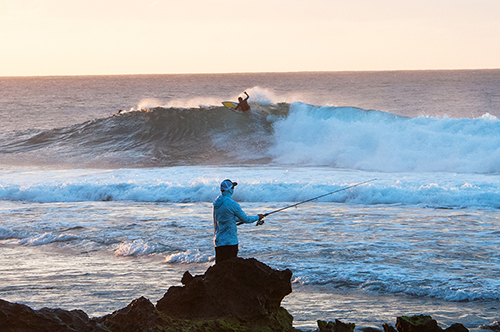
{"x":16,"y":317}
{"x":139,"y":315}
{"x":186,"y":278}
{"x":457,"y":328}
{"x":388,"y":328}
{"x":336,"y":326}
{"x":424,"y":323}
{"x":244,"y":289}
{"x":417,"y":323}
{"x":495,"y":326}
{"x":241,"y":295}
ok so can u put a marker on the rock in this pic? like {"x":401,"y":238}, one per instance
{"x":417,"y":323}
{"x":388,"y":328}
{"x":16,"y":317}
{"x":186,"y":278}
{"x":139,"y":315}
{"x":495,"y":326}
{"x":241,"y":295}
{"x":336,"y":326}
{"x":457,"y":328}
{"x":244,"y":289}
{"x":424,"y":323}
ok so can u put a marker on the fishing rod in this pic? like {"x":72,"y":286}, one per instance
{"x":312,"y":199}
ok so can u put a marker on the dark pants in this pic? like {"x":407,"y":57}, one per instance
{"x":223,"y":253}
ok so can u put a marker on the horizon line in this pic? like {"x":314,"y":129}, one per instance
{"x":251,"y":72}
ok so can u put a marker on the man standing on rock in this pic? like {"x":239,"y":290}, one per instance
{"x":227,"y":215}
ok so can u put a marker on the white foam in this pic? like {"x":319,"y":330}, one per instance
{"x":189,"y":256}
{"x":257,"y":95}
{"x":377,"y":141}
{"x":46,"y":238}
{"x":135,"y":248}
{"x":6,"y":233}
{"x":259,"y":184}
{"x":149,"y":103}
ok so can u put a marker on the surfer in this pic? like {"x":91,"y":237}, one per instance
{"x":227,"y":213}
{"x":243,"y":104}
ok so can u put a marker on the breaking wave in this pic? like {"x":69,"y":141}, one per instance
{"x":272,"y":134}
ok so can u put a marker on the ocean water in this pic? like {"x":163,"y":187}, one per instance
{"x":99,"y":208}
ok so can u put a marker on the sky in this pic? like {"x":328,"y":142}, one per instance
{"x":105,"y":37}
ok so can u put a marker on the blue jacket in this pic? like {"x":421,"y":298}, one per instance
{"x":226,"y":214}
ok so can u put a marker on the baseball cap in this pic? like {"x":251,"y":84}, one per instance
{"x":227,"y":184}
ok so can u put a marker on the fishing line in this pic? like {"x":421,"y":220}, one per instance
{"x":311,"y":199}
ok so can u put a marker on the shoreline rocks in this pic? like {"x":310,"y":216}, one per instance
{"x":239,"y":294}
{"x":234,"y":295}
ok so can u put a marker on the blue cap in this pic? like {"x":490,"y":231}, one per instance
{"x":227,"y":184}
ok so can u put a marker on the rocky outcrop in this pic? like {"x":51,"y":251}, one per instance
{"x":241,"y":295}
{"x":140,"y":315}
{"x":417,"y":323}
{"x":244,"y":289}
{"x":336,"y":326}
{"x":495,"y":326}
{"x":18,"y":317}
{"x":421,"y":323}
{"x":234,"y":295}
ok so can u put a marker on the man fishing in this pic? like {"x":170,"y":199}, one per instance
{"x":227,"y":214}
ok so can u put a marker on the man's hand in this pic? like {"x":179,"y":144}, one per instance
{"x":261,"y":219}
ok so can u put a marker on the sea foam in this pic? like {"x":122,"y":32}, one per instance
{"x":6,"y":233}
{"x":46,"y":238}
{"x":135,"y":248}
{"x":352,"y":138}
{"x":189,"y":256}
{"x":275,"y":184}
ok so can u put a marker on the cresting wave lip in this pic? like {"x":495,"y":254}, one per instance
{"x":298,"y":134}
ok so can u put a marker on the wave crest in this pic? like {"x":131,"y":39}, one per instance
{"x":275,"y":134}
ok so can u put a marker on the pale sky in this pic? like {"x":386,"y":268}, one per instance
{"x":94,"y":37}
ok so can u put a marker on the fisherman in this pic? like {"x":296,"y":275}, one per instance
{"x":227,"y":213}
{"x":243,"y":104}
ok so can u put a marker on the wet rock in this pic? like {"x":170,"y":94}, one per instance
{"x":186,"y":278}
{"x":16,"y":317}
{"x":388,"y":328}
{"x":244,"y":289}
{"x":417,"y":323}
{"x":495,"y":326}
{"x":139,"y":315}
{"x":424,"y":323}
{"x":336,"y":326}
{"x":241,"y":295}
{"x":457,"y":328}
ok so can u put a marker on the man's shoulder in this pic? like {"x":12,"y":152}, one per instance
{"x":231,"y":202}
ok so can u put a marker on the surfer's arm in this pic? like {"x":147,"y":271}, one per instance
{"x":247,"y":96}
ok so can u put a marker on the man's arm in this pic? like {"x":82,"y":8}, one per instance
{"x":242,"y":216}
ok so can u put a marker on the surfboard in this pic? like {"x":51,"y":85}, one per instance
{"x":230,"y":104}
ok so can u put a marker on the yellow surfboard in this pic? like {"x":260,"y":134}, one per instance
{"x":230,"y":104}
